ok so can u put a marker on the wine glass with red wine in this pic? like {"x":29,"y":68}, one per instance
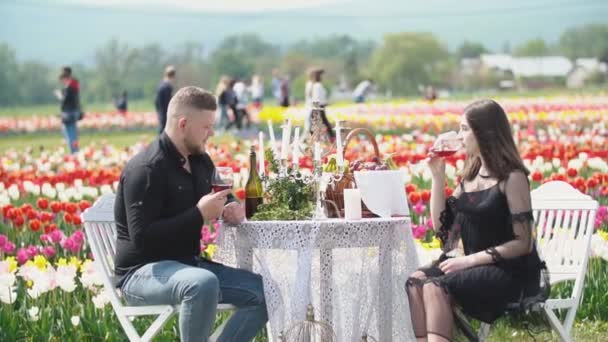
{"x":447,"y":144}
{"x":222,"y":179}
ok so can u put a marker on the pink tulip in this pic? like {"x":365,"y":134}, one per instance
{"x":78,"y":236}
{"x":56,"y":236}
{"x":68,"y":244}
{"x":22,"y":256}
{"x":419,"y":208}
{"x":32,"y":251}
{"x":602,"y":211}
{"x":9,"y":247}
{"x":429,"y":223}
{"x":3,"y":240}
{"x":49,"y":251}
{"x":419,"y":231}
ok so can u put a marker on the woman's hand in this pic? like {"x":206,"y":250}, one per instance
{"x":456,"y":264}
{"x":437,"y":165}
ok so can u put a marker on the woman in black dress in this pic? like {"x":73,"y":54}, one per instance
{"x":486,"y":230}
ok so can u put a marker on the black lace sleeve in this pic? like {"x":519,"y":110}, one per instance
{"x":522,"y":217}
{"x":447,"y":217}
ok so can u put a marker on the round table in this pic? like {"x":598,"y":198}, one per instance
{"x":352,"y":271}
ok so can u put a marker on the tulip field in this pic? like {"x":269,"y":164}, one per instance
{"x":49,"y":289}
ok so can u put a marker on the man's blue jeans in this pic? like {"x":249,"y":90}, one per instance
{"x":70,"y":132}
{"x":198,"y":290}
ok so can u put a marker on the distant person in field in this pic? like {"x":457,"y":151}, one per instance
{"x":163,"y":96}
{"x":276,"y":85}
{"x":319,"y":94}
{"x":430,"y":94}
{"x":362,"y":90}
{"x":257,"y":91}
{"x":71,"y":111}
{"x":121,"y":103}
{"x":285,"y":92}
{"x":241,"y":91}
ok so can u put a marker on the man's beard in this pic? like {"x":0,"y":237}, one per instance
{"x":193,"y":148}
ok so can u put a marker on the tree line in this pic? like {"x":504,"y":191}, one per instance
{"x":400,"y":63}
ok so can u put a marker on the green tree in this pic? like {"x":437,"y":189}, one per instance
{"x":407,"y":60}
{"x":470,"y":50}
{"x":586,"y":41}
{"x":113,"y":66}
{"x":37,"y":83}
{"x":243,"y":55}
{"x":533,"y":48}
{"x":9,"y":76}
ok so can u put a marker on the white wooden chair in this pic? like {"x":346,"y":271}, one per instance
{"x":100,"y":231}
{"x":564,"y":219}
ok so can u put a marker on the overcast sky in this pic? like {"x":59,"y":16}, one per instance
{"x":209,"y":5}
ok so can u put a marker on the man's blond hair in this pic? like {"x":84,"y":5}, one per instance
{"x":190,"y":98}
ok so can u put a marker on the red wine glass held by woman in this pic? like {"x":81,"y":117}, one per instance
{"x":446,"y":144}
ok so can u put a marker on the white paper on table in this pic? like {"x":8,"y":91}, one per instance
{"x":383,"y":192}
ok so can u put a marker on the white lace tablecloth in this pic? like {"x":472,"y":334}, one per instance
{"x":353,"y":272}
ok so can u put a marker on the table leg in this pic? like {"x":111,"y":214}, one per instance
{"x":244,"y":256}
{"x":385,"y":298}
{"x":326,"y":300}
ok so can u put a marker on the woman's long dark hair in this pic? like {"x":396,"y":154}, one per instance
{"x":492,"y":130}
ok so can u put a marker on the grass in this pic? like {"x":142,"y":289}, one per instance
{"x":53,"y":109}
{"x":52,"y":140}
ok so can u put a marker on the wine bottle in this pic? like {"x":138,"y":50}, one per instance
{"x":253,"y":189}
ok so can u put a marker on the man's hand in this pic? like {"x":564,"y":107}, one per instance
{"x":234,"y":213}
{"x":212,"y":205}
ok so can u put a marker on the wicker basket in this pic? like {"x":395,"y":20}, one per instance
{"x":335,"y":194}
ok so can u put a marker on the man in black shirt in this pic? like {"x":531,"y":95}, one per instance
{"x":70,"y":107}
{"x":163,"y":197}
{"x":163,"y":96}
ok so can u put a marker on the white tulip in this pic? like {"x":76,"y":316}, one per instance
{"x":33,"y":312}
{"x":13,"y":192}
{"x":556,"y":162}
{"x":75,"y":320}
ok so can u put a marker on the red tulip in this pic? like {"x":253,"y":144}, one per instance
{"x":49,"y":228}
{"x":84,"y":205}
{"x":56,"y":207}
{"x":572,"y":172}
{"x":537,"y":176}
{"x":67,"y":217}
{"x":592,"y":183}
{"x":76,"y":220}
{"x":425,"y":195}
{"x":414,"y":197}
{"x":42,"y":203}
{"x":35,"y":225}
{"x":410,"y":188}
{"x":70,"y":207}
{"x":18,"y":221}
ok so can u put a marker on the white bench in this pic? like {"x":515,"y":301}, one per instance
{"x":564,"y":220}
{"x":100,"y":231}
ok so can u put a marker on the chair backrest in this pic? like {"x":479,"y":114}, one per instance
{"x":564,"y":219}
{"x":100,"y":231}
